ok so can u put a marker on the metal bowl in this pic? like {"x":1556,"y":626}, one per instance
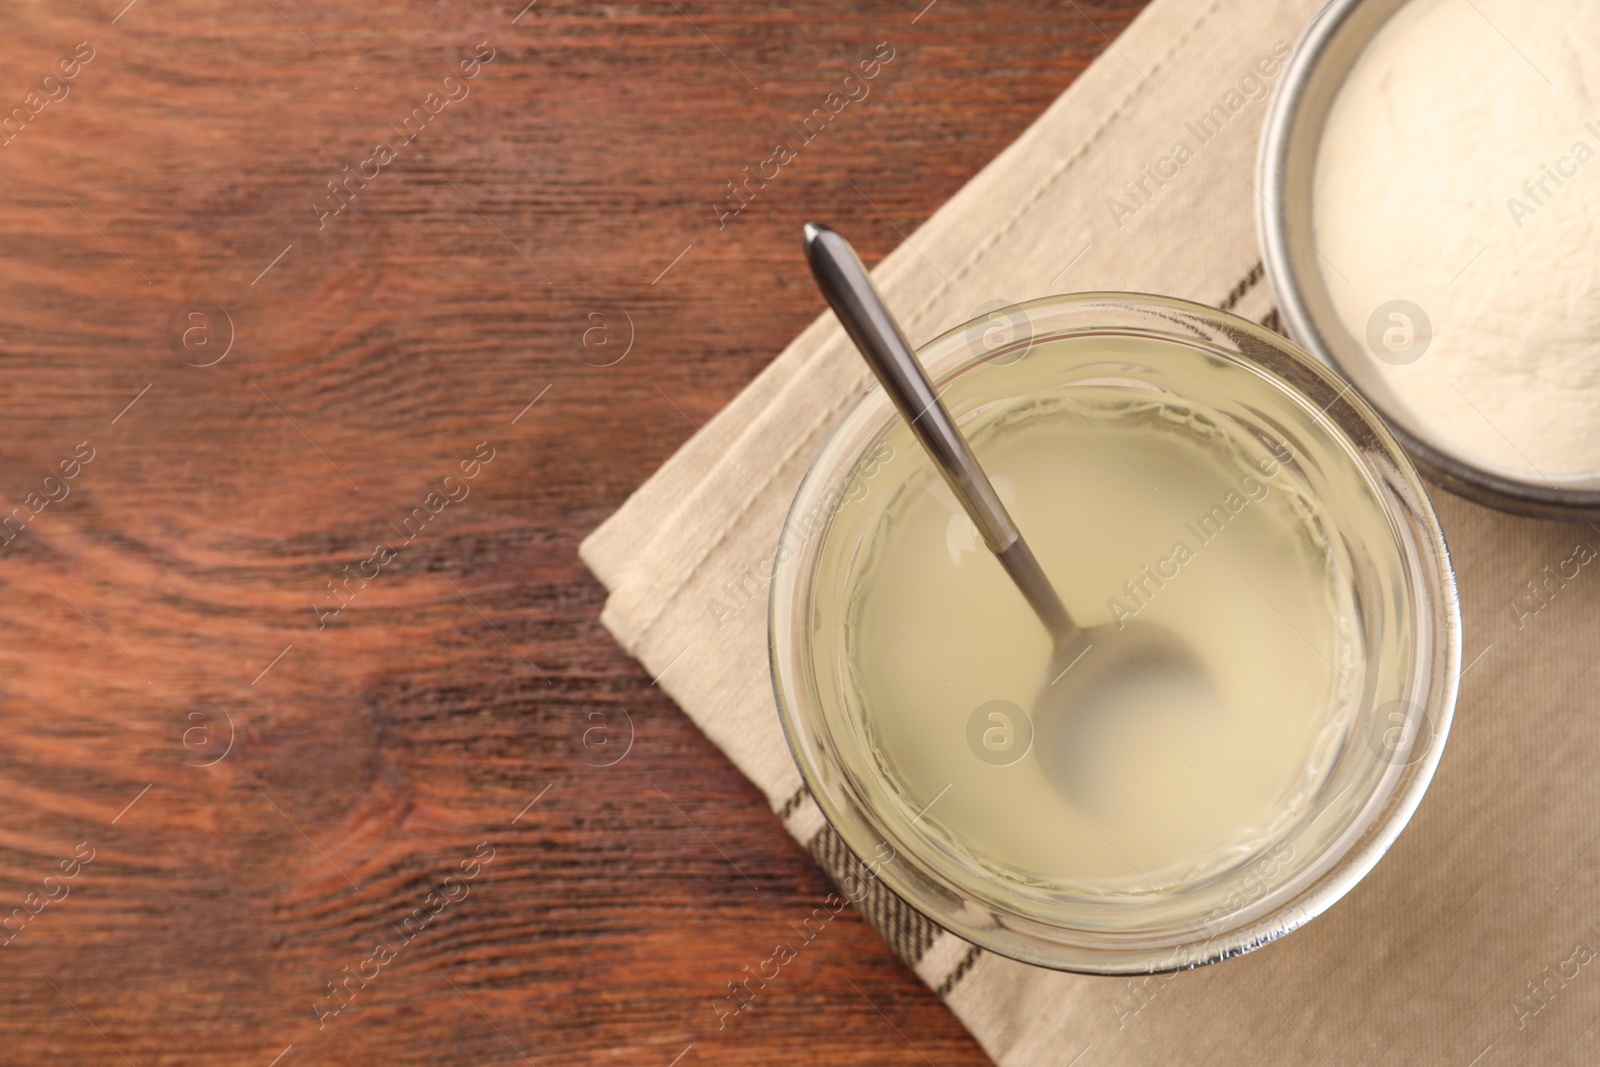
{"x":1326,"y":53}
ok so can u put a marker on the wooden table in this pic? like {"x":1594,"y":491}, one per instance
{"x":281,"y":682}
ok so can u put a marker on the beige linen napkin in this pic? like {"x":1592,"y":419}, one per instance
{"x":1474,"y":941}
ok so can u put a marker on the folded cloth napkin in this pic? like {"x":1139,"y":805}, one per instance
{"x":1473,"y":942}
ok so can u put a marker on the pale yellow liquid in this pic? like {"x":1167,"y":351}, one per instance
{"x":1171,"y":788}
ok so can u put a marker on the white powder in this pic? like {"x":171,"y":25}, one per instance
{"x":1459,"y":170}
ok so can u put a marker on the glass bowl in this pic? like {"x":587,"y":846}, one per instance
{"x":1391,"y":636}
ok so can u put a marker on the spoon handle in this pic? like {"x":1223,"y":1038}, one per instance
{"x":855,"y":300}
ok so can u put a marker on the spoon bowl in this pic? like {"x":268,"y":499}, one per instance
{"x":1110,"y":672}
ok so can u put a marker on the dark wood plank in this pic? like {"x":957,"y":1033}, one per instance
{"x":167,"y":600}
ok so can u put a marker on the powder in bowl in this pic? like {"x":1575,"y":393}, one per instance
{"x":1456,"y":220}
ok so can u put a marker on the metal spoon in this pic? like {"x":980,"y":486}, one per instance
{"x":1093,"y":673}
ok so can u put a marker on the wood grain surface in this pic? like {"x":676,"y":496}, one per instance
{"x":314,"y":751}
